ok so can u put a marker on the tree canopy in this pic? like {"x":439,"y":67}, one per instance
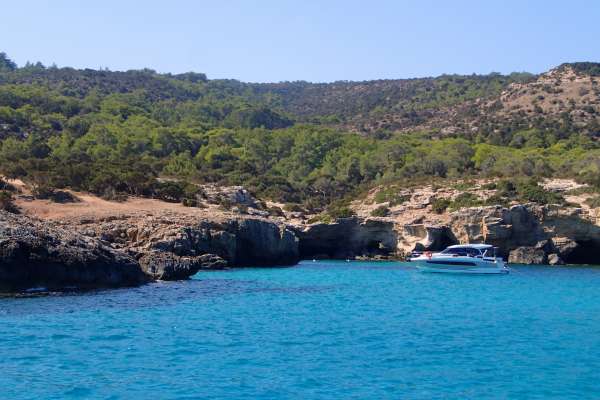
{"x":126,"y":132}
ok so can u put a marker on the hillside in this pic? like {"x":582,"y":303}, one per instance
{"x":140,"y":133}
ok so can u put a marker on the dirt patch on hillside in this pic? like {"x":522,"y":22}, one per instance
{"x":93,"y":207}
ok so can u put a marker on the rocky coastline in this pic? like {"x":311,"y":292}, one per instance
{"x":133,"y":249}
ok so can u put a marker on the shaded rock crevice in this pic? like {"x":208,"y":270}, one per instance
{"x":584,"y":252}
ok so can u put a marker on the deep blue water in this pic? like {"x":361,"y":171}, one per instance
{"x":325,"y":330}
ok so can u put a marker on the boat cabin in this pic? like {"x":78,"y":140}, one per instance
{"x":470,"y":250}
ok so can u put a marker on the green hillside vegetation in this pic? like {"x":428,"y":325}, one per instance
{"x":157,"y":135}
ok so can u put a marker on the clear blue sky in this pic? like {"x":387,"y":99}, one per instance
{"x":276,"y":40}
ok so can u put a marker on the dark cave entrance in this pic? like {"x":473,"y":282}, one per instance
{"x":374,"y":247}
{"x":586,"y":252}
{"x":446,"y":240}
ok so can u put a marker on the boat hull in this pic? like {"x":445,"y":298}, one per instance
{"x":438,"y":266}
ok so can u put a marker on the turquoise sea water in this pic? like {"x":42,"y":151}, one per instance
{"x":324,"y":330}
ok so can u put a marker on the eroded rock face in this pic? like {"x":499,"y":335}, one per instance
{"x":241,"y":242}
{"x":36,"y":254}
{"x":348,"y":238}
{"x":131,"y":250}
{"x":425,"y":237}
{"x":527,"y":255}
{"x":260,"y":242}
{"x":530,"y":233}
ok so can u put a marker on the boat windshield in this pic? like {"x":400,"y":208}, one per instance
{"x":462,"y":251}
{"x":490,"y":253}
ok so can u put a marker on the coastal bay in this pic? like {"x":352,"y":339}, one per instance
{"x":325,"y":330}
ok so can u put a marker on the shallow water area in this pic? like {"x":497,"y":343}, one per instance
{"x":320,"y":330}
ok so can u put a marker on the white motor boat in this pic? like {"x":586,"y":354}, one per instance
{"x":462,"y":259}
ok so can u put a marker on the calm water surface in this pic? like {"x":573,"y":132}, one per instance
{"x":324,"y":330}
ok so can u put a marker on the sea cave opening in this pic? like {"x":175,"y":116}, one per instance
{"x":586,"y":252}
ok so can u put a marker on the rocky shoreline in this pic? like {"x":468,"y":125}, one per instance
{"x":133,"y":249}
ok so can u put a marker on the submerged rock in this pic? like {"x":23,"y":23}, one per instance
{"x":34,"y":253}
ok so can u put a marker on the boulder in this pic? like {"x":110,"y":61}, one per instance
{"x":527,"y":255}
{"x":554,"y":259}
{"x":212,"y":262}
{"x":34,"y":253}
{"x":235,"y":195}
{"x":169,"y":267}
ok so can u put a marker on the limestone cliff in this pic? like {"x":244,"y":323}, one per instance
{"x":529,"y":233}
{"x":237,"y":240}
{"x":35,"y":254}
{"x":134,"y":249}
{"x":348,"y":238}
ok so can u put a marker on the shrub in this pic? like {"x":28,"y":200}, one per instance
{"x":43,"y":192}
{"x":593,"y":202}
{"x":61,"y":196}
{"x":523,"y":191}
{"x":7,"y":202}
{"x":191,"y":195}
{"x":506,"y":188}
{"x":466,"y":185}
{"x":335,"y":211}
{"x":169,"y":191}
{"x":340,"y":212}
{"x":439,"y":205}
{"x":465,"y":200}
{"x":192,"y":191}
{"x":531,"y":191}
{"x":381,"y":211}
{"x":321,"y":218}
{"x":497,"y":200}
{"x":276,"y":212}
{"x":293,"y":207}
{"x":111,"y":194}
{"x":391,"y":196}
{"x":190,"y":202}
